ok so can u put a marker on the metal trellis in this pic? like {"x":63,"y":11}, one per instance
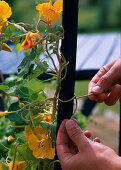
{"x":69,"y":45}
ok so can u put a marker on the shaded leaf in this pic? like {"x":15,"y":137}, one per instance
{"x":15,"y":116}
{"x":34,"y":84}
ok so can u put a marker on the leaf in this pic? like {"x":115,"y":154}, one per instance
{"x":51,"y":127}
{"x":11,"y":90}
{"x":30,"y":72}
{"x":9,"y":30}
{"x":15,"y":116}
{"x":34,"y":84}
{"x":22,"y":92}
{"x":3,"y":87}
{"x":18,"y":48}
{"x":24,"y":66}
{"x":34,"y":96}
{"x":36,"y":72}
{"x":33,"y":54}
{"x":25,"y":153}
{"x":42,"y":65}
{"x":25,"y":62}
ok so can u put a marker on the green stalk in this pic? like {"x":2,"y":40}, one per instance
{"x":58,"y":83}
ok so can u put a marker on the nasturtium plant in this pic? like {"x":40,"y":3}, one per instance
{"x":31,"y":114}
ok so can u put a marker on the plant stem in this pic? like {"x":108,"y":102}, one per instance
{"x":4,"y":146}
{"x":58,"y":83}
{"x":14,"y":156}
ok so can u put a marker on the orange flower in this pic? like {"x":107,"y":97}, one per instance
{"x":46,"y":117}
{"x":17,"y":166}
{"x":5,"y":13}
{"x":40,"y":142}
{"x":30,"y":40}
{"x":50,"y":12}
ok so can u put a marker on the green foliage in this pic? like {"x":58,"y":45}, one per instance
{"x":15,"y":116}
{"x":81,"y":120}
{"x":3,"y":166}
{"x":9,"y":31}
{"x":18,"y":47}
{"x":5,"y":131}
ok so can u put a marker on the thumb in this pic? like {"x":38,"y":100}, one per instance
{"x":76,"y":135}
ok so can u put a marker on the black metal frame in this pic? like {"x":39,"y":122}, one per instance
{"x":69,"y":46}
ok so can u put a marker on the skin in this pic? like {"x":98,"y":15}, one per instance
{"x":106,"y":84}
{"x":77,"y":152}
{"x":74,"y":148}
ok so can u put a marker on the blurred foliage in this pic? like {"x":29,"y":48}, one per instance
{"x":94,"y":15}
{"x":81,"y":120}
{"x":99,"y":15}
{"x":5,"y":131}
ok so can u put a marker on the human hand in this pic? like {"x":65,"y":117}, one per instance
{"x":77,"y":152}
{"x":106,"y":84}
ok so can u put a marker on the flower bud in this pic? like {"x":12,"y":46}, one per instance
{"x":11,"y":139}
{"x":5,"y":47}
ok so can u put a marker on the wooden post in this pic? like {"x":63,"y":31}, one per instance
{"x":69,"y":45}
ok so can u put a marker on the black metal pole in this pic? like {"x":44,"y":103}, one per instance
{"x":69,"y":45}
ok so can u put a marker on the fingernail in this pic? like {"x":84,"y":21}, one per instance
{"x":90,"y":89}
{"x":70,"y":124}
{"x":96,"y":89}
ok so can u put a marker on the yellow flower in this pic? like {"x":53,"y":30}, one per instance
{"x":40,"y":142}
{"x":46,"y":117}
{"x":17,"y":166}
{"x":1,"y":167}
{"x":5,"y":13}
{"x":50,"y":12}
{"x":30,"y":40}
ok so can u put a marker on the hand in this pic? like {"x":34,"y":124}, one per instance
{"x":106,"y":84}
{"x":77,"y":152}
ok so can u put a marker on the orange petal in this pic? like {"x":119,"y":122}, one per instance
{"x":58,"y":6}
{"x":5,"y":10}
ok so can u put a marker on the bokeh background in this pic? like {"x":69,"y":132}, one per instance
{"x":94,"y":15}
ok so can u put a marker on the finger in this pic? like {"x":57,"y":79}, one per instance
{"x":96,"y":139}
{"x":114,"y":95}
{"x":93,"y":87}
{"x":62,"y":143}
{"x":88,"y":134}
{"x":101,"y":97}
{"x":112,"y":76}
{"x":99,"y":74}
{"x":76,"y":135}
